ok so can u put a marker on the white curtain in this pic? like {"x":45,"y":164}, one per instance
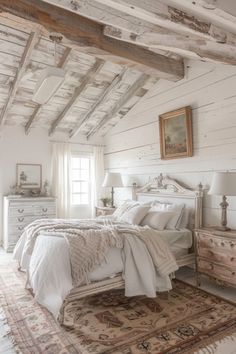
{"x":61,"y":178}
{"x":97,"y":176}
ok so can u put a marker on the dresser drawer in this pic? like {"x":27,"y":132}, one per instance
{"x":21,"y":210}
{"x":216,"y":270}
{"x":20,"y":220}
{"x":48,"y":209}
{"x":218,"y":256}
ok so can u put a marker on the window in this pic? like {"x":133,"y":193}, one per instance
{"x":80,"y":180}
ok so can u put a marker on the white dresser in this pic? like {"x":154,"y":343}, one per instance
{"x":18,"y":212}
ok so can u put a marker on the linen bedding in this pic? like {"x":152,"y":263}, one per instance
{"x":45,"y":251}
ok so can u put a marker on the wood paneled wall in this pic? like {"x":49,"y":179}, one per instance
{"x":132,"y":147}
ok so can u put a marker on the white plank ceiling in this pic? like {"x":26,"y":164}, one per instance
{"x":113,"y":52}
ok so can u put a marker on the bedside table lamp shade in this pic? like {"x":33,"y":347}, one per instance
{"x":223,"y":183}
{"x":112,"y":180}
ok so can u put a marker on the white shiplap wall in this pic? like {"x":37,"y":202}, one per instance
{"x":132,"y":147}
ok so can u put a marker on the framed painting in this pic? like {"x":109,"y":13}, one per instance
{"x":176,"y":134}
{"x":29,"y":176}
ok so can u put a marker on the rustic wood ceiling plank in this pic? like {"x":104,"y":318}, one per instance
{"x":33,"y":38}
{"x":89,"y":34}
{"x":62,"y":63}
{"x":181,"y":45}
{"x":89,"y":77}
{"x":120,"y":103}
{"x":100,"y":100}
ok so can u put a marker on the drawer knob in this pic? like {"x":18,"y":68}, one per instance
{"x":20,"y":227}
{"x":20,"y":219}
{"x":232,"y":245}
{"x":222,"y":244}
{"x":233,"y":273}
{"x":44,"y":210}
{"x":232,"y":259}
{"x":20,"y":211}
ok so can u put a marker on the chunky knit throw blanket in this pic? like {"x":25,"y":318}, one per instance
{"x":90,"y":240}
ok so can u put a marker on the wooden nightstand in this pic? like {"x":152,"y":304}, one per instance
{"x":104,"y":211}
{"x":216,"y":255}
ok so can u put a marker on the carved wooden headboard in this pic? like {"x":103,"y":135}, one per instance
{"x":168,"y":190}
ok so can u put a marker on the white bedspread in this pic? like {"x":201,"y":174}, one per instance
{"x":49,"y":267}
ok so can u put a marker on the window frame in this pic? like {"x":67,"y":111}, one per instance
{"x":80,"y":156}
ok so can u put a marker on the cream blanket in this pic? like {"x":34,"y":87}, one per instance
{"x":147,"y":258}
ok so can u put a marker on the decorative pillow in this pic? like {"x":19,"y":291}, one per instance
{"x":134,"y":215}
{"x":175,"y":209}
{"x":184,"y":219}
{"x":157,"y":219}
{"x":126,"y":205}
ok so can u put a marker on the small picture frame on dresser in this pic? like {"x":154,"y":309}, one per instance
{"x":29,"y":176}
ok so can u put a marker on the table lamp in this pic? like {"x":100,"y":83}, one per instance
{"x":223,"y":183}
{"x":112,"y":180}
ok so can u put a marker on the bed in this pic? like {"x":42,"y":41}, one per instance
{"x":49,"y":269}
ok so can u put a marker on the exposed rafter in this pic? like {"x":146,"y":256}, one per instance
{"x":155,"y":15}
{"x":202,"y":48}
{"x":89,"y":35}
{"x":62,"y":63}
{"x":100,"y":100}
{"x":208,"y":11}
{"x":120,"y":103}
{"x":33,"y":38}
{"x":89,"y":77}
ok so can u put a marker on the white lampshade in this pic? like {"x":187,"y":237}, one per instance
{"x":48,"y":83}
{"x":223,"y":183}
{"x":112,"y":180}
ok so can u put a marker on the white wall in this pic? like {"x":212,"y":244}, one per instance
{"x":16,"y":147}
{"x":132,"y":147}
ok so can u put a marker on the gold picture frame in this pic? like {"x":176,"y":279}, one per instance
{"x":175,"y":130}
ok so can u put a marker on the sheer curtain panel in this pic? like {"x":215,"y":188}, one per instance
{"x":61,"y":178}
{"x":97,"y":176}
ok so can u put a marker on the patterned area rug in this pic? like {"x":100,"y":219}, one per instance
{"x":182,"y":321}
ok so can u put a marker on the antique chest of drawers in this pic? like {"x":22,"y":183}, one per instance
{"x":216,"y":255}
{"x":19,"y":212}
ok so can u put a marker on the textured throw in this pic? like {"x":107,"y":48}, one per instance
{"x":181,"y":322}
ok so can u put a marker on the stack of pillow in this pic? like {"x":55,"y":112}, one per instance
{"x":156,"y":215}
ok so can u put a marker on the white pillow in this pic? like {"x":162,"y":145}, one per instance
{"x":157,"y":219}
{"x":134,"y":215}
{"x":176,"y":209}
{"x":184,"y":219}
{"x":126,"y":205}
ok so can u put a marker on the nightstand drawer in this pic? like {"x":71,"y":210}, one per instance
{"x":216,"y":243}
{"x":215,"y":270}
{"x":216,"y":255}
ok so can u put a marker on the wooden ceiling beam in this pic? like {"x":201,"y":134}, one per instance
{"x":209,"y":11}
{"x":33,"y":38}
{"x":89,"y":36}
{"x":120,"y":103}
{"x":136,"y":16}
{"x":88,"y":78}
{"x":181,"y":45}
{"x":62,"y":63}
{"x":116,"y":81}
